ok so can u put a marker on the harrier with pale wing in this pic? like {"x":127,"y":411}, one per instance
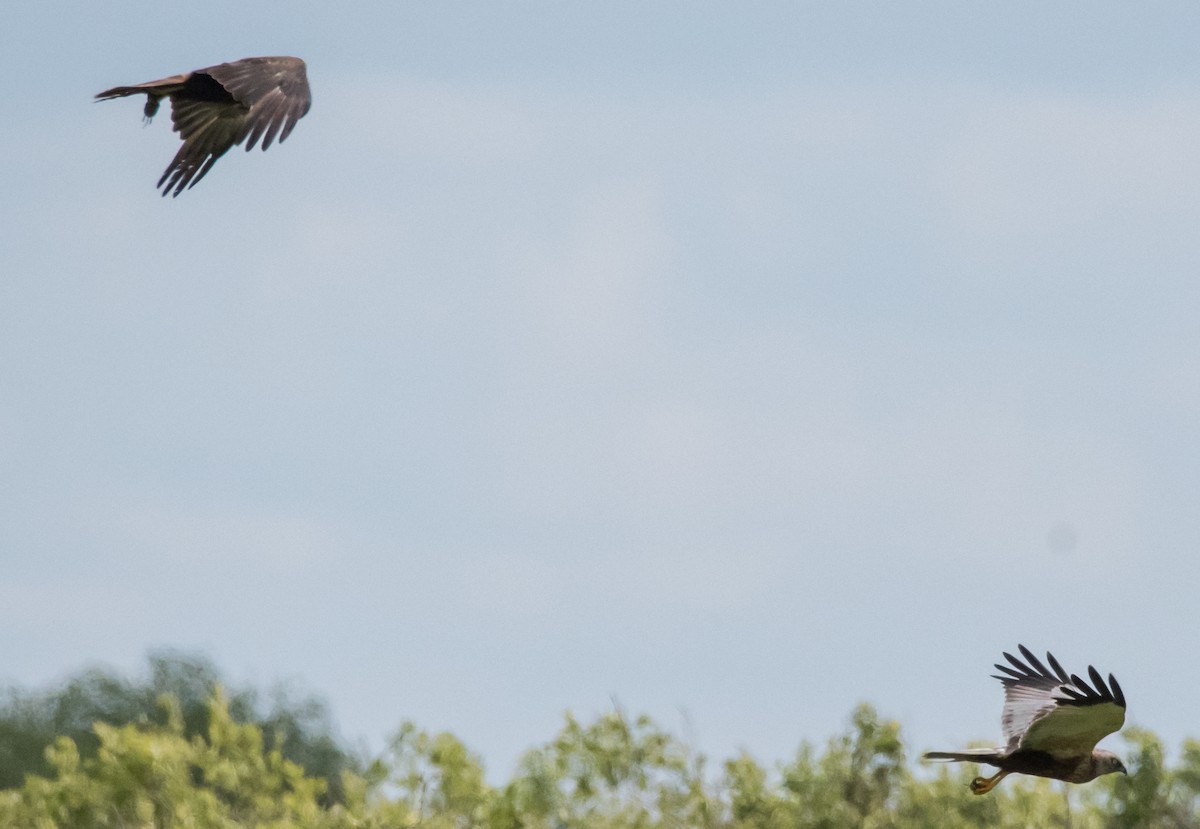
{"x":1052,"y":721}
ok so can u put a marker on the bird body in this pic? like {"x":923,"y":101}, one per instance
{"x":1037,"y":763}
{"x":219,"y":107}
{"x":1052,"y":721}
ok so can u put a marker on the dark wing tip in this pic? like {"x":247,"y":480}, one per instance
{"x":1071,"y":688}
{"x":1118,"y":694}
{"x":1036,"y":663}
{"x":1057,"y":668}
{"x":1017,"y":663}
{"x":1098,"y":684}
{"x":1013,"y":675}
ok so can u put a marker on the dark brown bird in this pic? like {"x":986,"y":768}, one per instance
{"x":217,"y":108}
{"x":1051,"y":722}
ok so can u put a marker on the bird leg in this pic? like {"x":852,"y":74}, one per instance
{"x":151,"y":108}
{"x":983,"y":785}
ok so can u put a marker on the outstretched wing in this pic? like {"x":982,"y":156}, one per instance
{"x":218,"y":107}
{"x":274,"y":90}
{"x":208,"y":126}
{"x":1057,"y":712}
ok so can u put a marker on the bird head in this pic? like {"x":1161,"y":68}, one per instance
{"x":1107,"y":763}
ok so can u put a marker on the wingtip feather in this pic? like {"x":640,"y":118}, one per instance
{"x":1118,"y":694}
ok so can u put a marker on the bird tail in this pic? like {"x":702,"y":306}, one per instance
{"x":118,"y":92}
{"x":153,"y":90}
{"x":969,"y":755}
{"x":161,"y":88}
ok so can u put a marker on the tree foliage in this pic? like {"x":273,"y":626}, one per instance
{"x":31,"y":721}
{"x":221,"y":769}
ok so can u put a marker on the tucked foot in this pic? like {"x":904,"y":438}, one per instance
{"x":983,"y":785}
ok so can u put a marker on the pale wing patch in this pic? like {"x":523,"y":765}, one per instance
{"x":1023,"y":704}
{"x":1073,"y":729}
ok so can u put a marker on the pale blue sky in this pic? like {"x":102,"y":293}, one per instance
{"x":746,"y":360}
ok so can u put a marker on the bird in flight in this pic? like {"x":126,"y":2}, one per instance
{"x":216,"y":108}
{"x":1052,"y":721}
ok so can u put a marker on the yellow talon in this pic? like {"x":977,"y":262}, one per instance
{"x":983,"y":785}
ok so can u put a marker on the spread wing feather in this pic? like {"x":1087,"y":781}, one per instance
{"x":208,"y":130}
{"x":1058,"y":669}
{"x":275,"y":90}
{"x":1051,"y":711}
